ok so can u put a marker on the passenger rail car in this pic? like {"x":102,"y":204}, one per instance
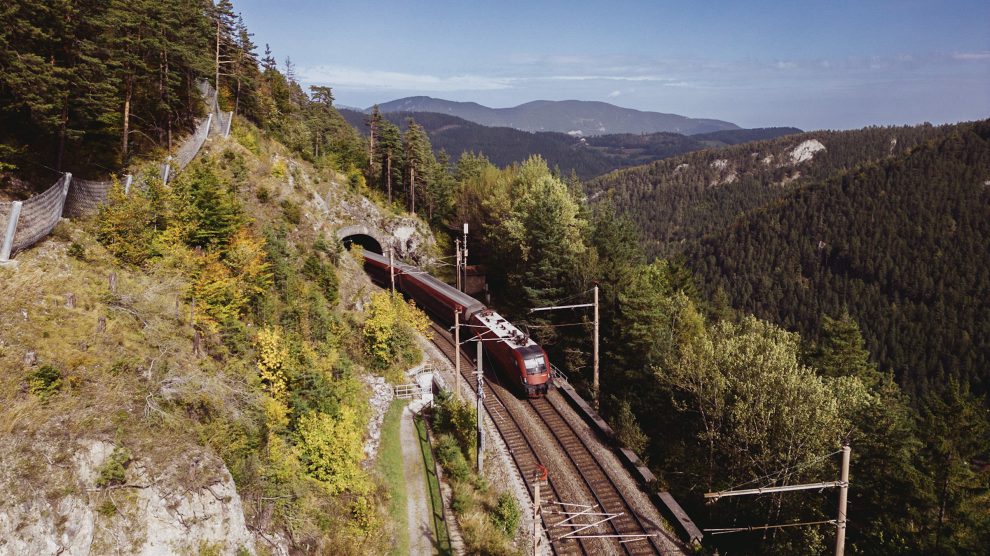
{"x":516,"y":356}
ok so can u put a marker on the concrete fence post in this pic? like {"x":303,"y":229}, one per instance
{"x":209,"y":124}
{"x":166,"y":168}
{"x":230,"y":119}
{"x":128,"y":180}
{"x":67,"y":179}
{"x":8,"y":238}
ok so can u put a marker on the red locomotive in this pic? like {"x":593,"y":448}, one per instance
{"x":515,"y":354}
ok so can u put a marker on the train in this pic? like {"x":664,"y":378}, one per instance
{"x":515,"y":355}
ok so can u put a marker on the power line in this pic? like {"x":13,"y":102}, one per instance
{"x":786,"y":469}
{"x":726,"y":530}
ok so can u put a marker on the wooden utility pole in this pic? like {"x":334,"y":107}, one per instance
{"x":457,"y":353}
{"x":481,"y":409}
{"x":840,"y":522}
{"x":595,"y":355}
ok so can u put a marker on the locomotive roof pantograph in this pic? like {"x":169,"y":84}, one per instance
{"x":504,"y":329}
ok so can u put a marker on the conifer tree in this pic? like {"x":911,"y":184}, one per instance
{"x":417,"y":158}
{"x":389,"y":151}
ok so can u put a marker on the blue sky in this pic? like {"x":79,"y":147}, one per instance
{"x":814,"y":65}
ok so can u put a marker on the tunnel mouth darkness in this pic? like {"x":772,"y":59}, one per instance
{"x":365,"y":241}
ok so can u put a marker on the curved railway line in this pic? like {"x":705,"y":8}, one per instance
{"x":596,"y":485}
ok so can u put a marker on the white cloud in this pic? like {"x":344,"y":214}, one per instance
{"x":972,"y":56}
{"x":614,"y":94}
{"x":354,"y":78}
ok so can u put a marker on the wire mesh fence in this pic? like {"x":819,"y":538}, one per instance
{"x":75,"y":198}
{"x":85,"y":197}
{"x":40,"y":214}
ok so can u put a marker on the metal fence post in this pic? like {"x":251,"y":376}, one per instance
{"x":209,"y":124}
{"x":67,"y":179}
{"x":230,"y":119}
{"x":129,"y":179}
{"x":8,"y":238}
{"x":165,"y":169}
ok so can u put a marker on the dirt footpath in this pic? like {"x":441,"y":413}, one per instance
{"x":417,"y":497}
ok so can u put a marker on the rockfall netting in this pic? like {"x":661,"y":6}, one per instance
{"x":40,"y":214}
{"x":76,"y":198}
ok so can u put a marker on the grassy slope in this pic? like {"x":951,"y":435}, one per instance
{"x":137,"y":383}
{"x":390,"y":466}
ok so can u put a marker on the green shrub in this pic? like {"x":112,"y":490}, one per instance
{"x":450,"y":456}
{"x":324,"y":276}
{"x":456,"y":418}
{"x":77,"y":251}
{"x":207,"y":208}
{"x":45,"y":382}
{"x":462,"y":500}
{"x":505,"y":514}
{"x":126,"y":224}
{"x":291,"y":211}
{"x":113,"y":470}
{"x":107,"y":508}
{"x":279,"y":169}
{"x":263,"y":195}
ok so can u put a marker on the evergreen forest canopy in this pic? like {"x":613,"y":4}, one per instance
{"x":710,"y":396}
{"x":885,"y":223}
{"x":92,"y":86}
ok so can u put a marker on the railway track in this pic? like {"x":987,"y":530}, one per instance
{"x":520,"y":447}
{"x":594,"y":478}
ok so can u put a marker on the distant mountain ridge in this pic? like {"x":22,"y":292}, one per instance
{"x":587,"y":157}
{"x":575,"y":117}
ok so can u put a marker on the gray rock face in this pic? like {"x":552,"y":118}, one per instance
{"x":189,"y":505}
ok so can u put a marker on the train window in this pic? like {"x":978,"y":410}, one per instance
{"x":535,"y":365}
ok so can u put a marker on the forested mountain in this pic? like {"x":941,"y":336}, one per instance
{"x":887,"y":223}
{"x":566,"y":116}
{"x":587,"y":157}
{"x":681,"y":199}
{"x":899,"y":243}
{"x":736,"y":136}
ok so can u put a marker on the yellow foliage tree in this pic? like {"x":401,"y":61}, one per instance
{"x":246,"y":259}
{"x":218,"y":294}
{"x":331,"y":450}
{"x":389,"y":328}
{"x":273,"y":356}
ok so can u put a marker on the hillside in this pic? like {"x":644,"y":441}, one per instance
{"x":885,"y":222}
{"x":587,"y":157}
{"x":899,"y":243}
{"x":575,"y":117}
{"x":682,"y":199}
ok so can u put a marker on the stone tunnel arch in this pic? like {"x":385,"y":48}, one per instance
{"x":368,"y":238}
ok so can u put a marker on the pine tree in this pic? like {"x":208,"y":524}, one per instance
{"x":955,"y":429}
{"x":841,"y":350}
{"x":389,"y":152}
{"x":417,"y":158}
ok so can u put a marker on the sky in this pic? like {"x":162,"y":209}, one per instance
{"x":812,"y":65}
